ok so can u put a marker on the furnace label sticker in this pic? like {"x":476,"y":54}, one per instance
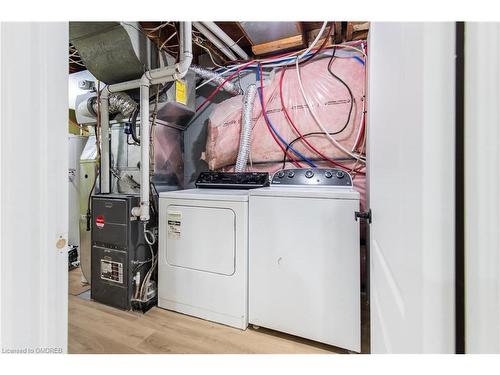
{"x":112,"y":271}
{"x":180,"y":92}
{"x":174,"y":219}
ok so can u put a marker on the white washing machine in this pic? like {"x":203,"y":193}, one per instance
{"x":304,"y":257}
{"x":203,"y":254}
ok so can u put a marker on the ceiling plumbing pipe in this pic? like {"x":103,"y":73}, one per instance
{"x":179,"y":70}
{"x":151,"y":77}
{"x":216,"y":42}
{"x":216,"y":78}
{"x":226,"y":39}
{"x":246,"y":128}
{"x":124,"y":86}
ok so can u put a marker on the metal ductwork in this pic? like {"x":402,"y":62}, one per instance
{"x":114,"y":51}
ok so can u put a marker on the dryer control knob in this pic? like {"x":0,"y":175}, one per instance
{"x":340,"y":174}
{"x":291,"y":174}
{"x":309,"y":173}
{"x":328,"y":174}
{"x":281,"y":174}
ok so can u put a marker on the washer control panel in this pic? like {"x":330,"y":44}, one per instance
{"x":312,"y":176}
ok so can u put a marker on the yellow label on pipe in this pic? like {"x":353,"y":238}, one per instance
{"x":181,"y":92}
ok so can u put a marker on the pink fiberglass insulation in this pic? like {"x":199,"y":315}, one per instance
{"x":329,"y":98}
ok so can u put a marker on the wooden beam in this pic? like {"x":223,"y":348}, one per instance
{"x":312,"y":34}
{"x":278,"y":45}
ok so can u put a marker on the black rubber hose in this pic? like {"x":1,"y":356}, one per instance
{"x":133,"y":125}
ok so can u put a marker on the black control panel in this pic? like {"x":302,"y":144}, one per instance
{"x":232,"y":180}
{"x":312,"y":176}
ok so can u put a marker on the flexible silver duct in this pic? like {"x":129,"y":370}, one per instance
{"x":218,"y":80}
{"x":119,"y":102}
{"x":246,"y":128}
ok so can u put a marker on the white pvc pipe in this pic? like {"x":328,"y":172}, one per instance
{"x":186,"y":35}
{"x":216,"y":42}
{"x":124,"y":86}
{"x":104,"y":128}
{"x":179,"y":70}
{"x":144,"y":103}
{"x":226,"y":39}
{"x":152,"y":77}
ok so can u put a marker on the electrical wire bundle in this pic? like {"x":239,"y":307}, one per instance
{"x":286,"y":61}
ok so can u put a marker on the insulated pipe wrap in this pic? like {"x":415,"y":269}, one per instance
{"x":208,"y":74}
{"x":246,"y":128}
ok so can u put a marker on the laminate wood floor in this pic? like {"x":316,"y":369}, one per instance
{"x":75,"y":286}
{"x":96,"y":328}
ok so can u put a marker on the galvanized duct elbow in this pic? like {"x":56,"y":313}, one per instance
{"x":119,"y":102}
{"x":208,"y":74}
{"x":246,"y":128}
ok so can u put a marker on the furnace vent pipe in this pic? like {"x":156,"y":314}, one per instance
{"x":144,"y":106}
{"x":152,"y":77}
{"x":179,"y":70}
{"x":216,"y":78}
{"x":246,"y":128}
{"x":226,"y":39}
{"x":104,"y":129}
{"x":216,"y":42}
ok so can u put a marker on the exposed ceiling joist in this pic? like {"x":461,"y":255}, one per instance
{"x":164,"y":35}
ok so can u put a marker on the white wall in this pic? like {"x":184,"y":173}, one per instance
{"x":34,"y":185}
{"x":411,"y":185}
{"x":482,"y":188}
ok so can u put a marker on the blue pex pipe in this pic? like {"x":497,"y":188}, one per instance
{"x":268,"y":120}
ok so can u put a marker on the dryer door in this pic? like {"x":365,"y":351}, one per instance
{"x":201,"y":238}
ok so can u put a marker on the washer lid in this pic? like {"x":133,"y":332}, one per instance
{"x":208,"y":194}
{"x":307,"y":192}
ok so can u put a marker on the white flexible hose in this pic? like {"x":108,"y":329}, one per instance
{"x":246,"y":128}
{"x":220,"y":75}
{"x":208,"y":74}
